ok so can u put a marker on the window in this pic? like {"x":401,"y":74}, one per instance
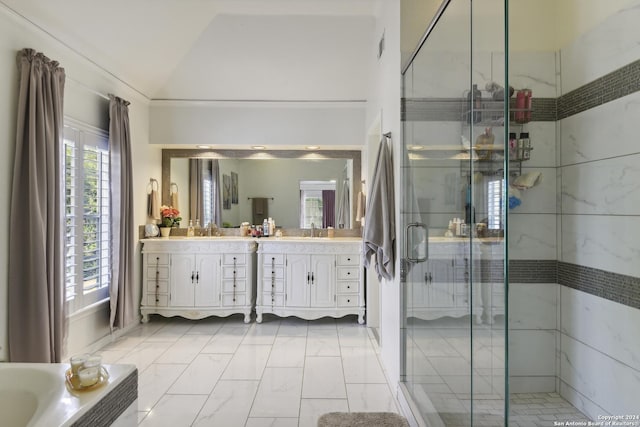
{"x":311,"y":202}
{"x":494,"y":204}
{"x":87,"y":211}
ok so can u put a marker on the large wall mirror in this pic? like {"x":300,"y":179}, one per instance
{"x":286,"y":185}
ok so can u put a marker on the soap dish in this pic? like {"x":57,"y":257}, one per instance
{"x":73,"y":381}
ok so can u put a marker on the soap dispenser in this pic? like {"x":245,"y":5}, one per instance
{"x":190,"y":229}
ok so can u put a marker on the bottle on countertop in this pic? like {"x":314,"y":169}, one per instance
{"x":265,"y":228}
{"x":190,"y":229}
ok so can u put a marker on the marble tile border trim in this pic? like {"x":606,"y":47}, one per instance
{"x":604,"y":284}
{"x":621,"y":82}
{"x":616,"y":84}
{"x":533,"y":271}
{"x":107,"y":410}
{"x":453,"y":109}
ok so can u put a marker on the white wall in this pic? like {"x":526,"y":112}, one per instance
{"x":273,"y":124}
{"x":81,"y":104}
{"x":384,"y":102}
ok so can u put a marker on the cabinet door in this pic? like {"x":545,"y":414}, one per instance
{"x":182,"y":287}
{"x":323,"y":281}
{"x":207,"y":283}
{"x":298,"y":270}
{"x":442,"y":288}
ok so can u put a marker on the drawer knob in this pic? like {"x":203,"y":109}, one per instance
{"x":348,"y":287}
{"x":348,"y":300}
{"x":348,"y":259}
{"x":348,"y":273}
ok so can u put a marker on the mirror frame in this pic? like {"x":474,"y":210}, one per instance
{"x":198,"y":153}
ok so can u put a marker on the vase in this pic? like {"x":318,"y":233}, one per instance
{"x":165,"y":231}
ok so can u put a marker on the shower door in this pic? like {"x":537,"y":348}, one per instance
{"x":453,"y":220}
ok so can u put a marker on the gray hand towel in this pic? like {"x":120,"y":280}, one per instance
{"x":379,"y":231}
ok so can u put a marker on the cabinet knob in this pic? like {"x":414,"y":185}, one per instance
{"x":348,"y":273}
{"x":348,"y":287}
{"x":348,"y":259}
{"x":348,"y":300}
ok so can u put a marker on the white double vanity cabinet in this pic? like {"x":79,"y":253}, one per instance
{"x":200,"y":277}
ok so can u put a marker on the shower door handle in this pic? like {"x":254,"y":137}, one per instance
{"x":425,"y":242}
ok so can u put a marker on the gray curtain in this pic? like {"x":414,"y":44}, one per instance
{"x":199,"y":171}
{"x":328,"y":208}
{"x":36,"y":289}
{"x":121,"y":288}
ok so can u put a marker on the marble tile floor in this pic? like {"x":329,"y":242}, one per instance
{"x":223,"y":372}
{"x":439,"y":367}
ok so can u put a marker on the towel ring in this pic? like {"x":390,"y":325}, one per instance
{"x":152,"y":185}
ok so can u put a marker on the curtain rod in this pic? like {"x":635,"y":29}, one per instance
{"x":270,"y":198}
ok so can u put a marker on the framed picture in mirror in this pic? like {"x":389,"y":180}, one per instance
{"x":226,"y":192}
{"x":234,"y":188}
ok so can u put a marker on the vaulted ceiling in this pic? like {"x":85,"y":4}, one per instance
{"x":219,"y":50}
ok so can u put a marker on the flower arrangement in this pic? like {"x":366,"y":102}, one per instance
{"x":170,"y":216}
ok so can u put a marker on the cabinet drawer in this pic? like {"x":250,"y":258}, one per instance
{"x":276,"y":301}
{"x":228,"y":285}
{"x":272,"y":259}
{"x":157,"y":259}
{"x":349,"y":259}
{"x":277,"y":284}
{"x":348,"y":273}
{"x":160,"y":301}
{"x":229,"y":300}
{"x":269,"y":272}
{"x":161,"y":273}
{"x":162,"y":286}
{"x":228,"y":272}
{"x":228,"y":259}
{"x":347,"y":300}
{"x":348,"y":287}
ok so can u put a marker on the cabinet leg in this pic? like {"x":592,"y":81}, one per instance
{"x":247,"y":317}
{"x":258,"y":317}
{"x":145,"y":318}
{"x":361,"y":318}
{"x":478,"y":319}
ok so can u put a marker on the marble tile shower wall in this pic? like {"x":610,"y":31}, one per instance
{"x":533,"y":310}
{"x":599,"y":215}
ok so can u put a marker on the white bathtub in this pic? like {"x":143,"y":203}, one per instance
{"x":35,"y":394}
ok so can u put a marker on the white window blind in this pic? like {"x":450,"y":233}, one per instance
{"x":495,"y":195}
{"x":87,"y":211}
{"x":311,"y":202}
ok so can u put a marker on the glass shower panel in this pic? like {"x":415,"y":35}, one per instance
{"x":436,"y":204}
{"x":453,"y":219}
{"x":487,"y":177}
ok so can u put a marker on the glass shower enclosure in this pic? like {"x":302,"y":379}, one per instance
{"x":455,"y":170}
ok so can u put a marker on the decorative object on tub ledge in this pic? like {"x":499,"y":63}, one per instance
{"x":36,"y":286}
{"x":379,"y":230}
{"x":86,"y":373}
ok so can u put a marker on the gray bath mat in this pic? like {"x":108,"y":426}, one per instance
{"x":362,"y":419}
